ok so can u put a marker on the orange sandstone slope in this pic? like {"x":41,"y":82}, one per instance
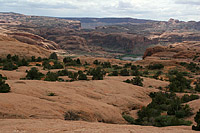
{"x":9,"y":45}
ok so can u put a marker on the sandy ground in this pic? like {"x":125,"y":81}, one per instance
{"x":61,"y":126}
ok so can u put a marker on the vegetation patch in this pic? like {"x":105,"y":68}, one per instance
{"x":4,"y":88}
{"x":166,"y":109}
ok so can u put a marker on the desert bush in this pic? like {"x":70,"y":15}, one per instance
{"x":114,"y":73}
{"x":186,"y":98}
{"x":127,"y":65}
{"x":46,"y":64}
{"x":156,"y":66}
{"x":71,"y":115}
{"x":136,"y":72}
{"x":179,"y":110}
{"x":164,"y":103}
{"x":135,"y":81}
{"x":193,"y":67}
{"x":96,"y":62}
{"x":51,"y":94}
{"x":129,"y":119}
{"x":179,"y":83}
{"x":23,"y":62}
{"x":197,"y":120}
{"x":124,"y":72}
{"x":133,"y":67}
{"x":63,"y":73}
{"x":15,"y":58}
{"x":57,"y":65}
{"x":116,"y":67}
{"x":50,"y":76}
{"x":39,"y":59}
{"x":73,"y":76}
{"x":98,"y":74}
{"x":127,"y":81}
{"x":163,"y":121}
{"x":78,"y":61}
{"x":9,"y":57}
{"x":34,"y":74}
{"x":4,"y":88}
{"x":157,"y":74}
{"x":146,"y":72}
{"x":67,"y":60}
{"x":197,"y":87}
{"x":82,"y":76}
{"x":106,"y":65}
{"x":33,"y":59}
{"x":53,"y":56}
{"x":9,"y":66}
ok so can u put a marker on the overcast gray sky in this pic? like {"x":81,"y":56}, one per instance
{"x":145,"y":9}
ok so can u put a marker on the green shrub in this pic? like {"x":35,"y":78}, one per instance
{"x":129,"y":119}
{"x":78,"y":61}
{"x":71,"y":115}
{"x":116,"y":67}
{"x":39,"y":59}
{"x":23,"y":62}
{"x":179,"y":110}
{"x":4,"y":88}
{"x":157,"y":74}
{"x":193,"y":67}
{"x":46,"y":65}
{"x":179,"y":83}
{"x":124,"y":72}
{"x":63,"y":73}
{"x":197,"y":87}
{"x":15,"y":58}
{"x":9,"y":66}
{"x":50,"y":76}
{"x":114,"y":73}
{"x":127,"y":65}
{"x":137,"y":81}
{"x":51,"y":94}
{"x":98,"y":74}
{"x":33,"y":59}
{"x":136,"y":73}
{"x":197,"y":120}
{"x":57,"y":65}
{"x":161,"y":103}
{"x":9,"y":57}
{"x":146,"y":72}
{"x":82,"y":76}
{"x":106,"y":65}
{"x":128,"y":81}
{"x":133,"y":67}
{"x":186,"y":98}
{"x":156,"y":66}
{"x":53,"y":56}
{"x":73,"y":76}
{"x":67,"y":60}
{"x":34,"y":74}
{"x":163,"y":121}
{"x":96,"y":62}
